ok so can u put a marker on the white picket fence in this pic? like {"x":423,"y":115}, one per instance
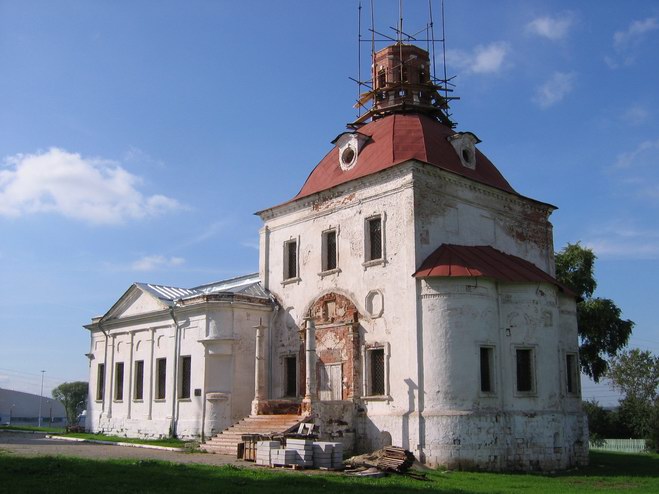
{"x":620,"y":445}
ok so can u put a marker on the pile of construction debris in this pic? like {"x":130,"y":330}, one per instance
{"x":387,"y":459}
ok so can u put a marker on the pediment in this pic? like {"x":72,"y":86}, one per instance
{"x":135,"y":302}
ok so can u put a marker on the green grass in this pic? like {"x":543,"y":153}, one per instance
{"x":48,"y":430}
{"x":168,"y":442}
{"x":608,"y":472}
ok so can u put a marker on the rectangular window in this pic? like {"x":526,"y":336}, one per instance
{"x":571,"y":372}
{"x":185,"y":371}
{"x":376,"y":358}
{"x":161,"y":378}
{"x":329,"y":250}
{"x":374,"y":239}
{"x":119,"y":381}
{"x":138,"y":393}
{"x":524,"y":370}
{"x":487,"y":369}
{"x":290,"y":259}
{"x":290,"y":370}
{"x":100,"y":382}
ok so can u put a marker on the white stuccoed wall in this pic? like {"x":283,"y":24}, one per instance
{"x":432,"y":329}
{"x":218,"y":336}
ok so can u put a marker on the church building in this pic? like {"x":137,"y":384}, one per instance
{"x":406,"y":296}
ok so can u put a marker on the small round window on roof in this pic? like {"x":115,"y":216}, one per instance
{"x":348,"y":156}
{"x":467,"y":156}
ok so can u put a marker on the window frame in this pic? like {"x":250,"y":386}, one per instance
{"x":160,"y":379}
{"x":100,"y":382}
{"x":491,"y":369}
{"x":367,"y":372}
{"x":185,"y":377}
{"x":369,"y":260}
{"x":325,"y":266}
{"x":572,"y":374}
{"x":286,"y":264}
{"x":119,"y":375}
{"x":138,"y":381}
{"x":531,"y":368}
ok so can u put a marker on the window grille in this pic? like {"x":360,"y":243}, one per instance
{"x":330,"y":250}
{"x":375,"y":238}
{"x":377,"y":371}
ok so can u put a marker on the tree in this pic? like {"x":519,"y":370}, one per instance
{"x":73,"y":396}
{"x":602,"y":331}
{"x":635,"y":373}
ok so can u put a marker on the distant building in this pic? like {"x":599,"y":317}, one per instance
{"x":20,"y":408}
{"x":408,"y":274}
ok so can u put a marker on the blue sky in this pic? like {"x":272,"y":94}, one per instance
{"x":137,"y":139}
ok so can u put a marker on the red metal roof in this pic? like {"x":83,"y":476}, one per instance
{"x":395,"y":139}
{"x":483,"y":261}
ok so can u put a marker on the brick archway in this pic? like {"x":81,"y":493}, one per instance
{"x":337,"y":347}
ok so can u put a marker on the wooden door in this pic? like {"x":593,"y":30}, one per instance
{"x":330,"y":382}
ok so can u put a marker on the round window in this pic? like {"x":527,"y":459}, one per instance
{"x":348,"y":157}
{"x":466,"y":155}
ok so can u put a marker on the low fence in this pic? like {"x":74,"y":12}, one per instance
{"x":619,"y":445}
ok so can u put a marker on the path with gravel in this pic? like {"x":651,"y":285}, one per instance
{"x":24,"y":444}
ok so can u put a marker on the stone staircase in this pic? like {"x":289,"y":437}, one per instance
{"x":226,"y":442}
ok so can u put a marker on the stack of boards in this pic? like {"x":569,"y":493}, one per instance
{"x":303,"y":453}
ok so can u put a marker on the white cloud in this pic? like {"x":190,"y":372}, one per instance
{"x":553,"y":28}
{"x":635,"y":31}
{"x":555,"y":89}
{"x":645,"y":153}
{"x":625,"y":42}
{"x":93,"y":190}
{"x":152,"y":263}
{"x":482,"y":59}
{"x":625,"y":243}
{"x":636,"y":115}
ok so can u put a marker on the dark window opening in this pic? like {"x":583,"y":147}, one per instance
{"x":571,"y":370}
{"x":486,"y":370}
{"x":377,"y":372}
{"x":290,"y":370}
{"x":186,"y":375}
{"x":375,"y":238}
{"x":119,"y":381}
{"x":524,"y":370}
{"x":100,"y":382}
{"x":138,"y":394}
{"x":161,"y":378}
{"x":422,"y":75}
{"x":382,"y":78}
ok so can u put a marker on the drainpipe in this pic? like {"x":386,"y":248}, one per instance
{"x":174,"y":421}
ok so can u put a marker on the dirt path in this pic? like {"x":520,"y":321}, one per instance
{"x":38,"y":445}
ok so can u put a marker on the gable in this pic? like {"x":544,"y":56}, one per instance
{"x":134,"y":303}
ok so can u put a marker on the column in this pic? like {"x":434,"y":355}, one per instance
{"x":259,"y":385}
{"x":310,"y":391}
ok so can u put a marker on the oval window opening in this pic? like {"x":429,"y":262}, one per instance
{"x":466,"y":155}
{"x":348,"y":156}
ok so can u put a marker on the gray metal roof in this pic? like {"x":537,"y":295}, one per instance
{"x":245,"y":285}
